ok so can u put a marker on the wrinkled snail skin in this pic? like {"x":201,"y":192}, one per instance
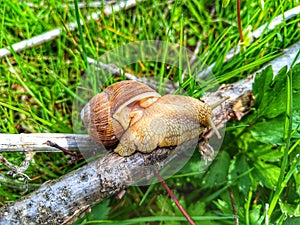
{"x":134,"y":117}
{"x":172,"y":120}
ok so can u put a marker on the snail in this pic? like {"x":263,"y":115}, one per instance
{"x":133,"y":117}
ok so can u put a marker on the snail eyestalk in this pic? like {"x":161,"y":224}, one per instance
{"x":213,"y":126}
{"x":134,"y":117}
{"x":209,"y":119}
{"x":215,"y":105}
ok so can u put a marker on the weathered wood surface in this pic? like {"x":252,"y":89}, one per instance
{"x":61,"y":201}
{"x":36,"y":142}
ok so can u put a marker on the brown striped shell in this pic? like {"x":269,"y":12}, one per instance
{"x":137,"y":118}
{"x":108,"y":114}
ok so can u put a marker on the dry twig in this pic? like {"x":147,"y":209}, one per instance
{"x":51,"y":35}
{"x":62,"y":200}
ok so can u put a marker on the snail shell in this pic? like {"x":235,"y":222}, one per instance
{"x":137,"y":118}
{"x":107,"y":114}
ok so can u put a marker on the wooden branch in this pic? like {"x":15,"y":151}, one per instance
{"x":37,"y":142}
{"x":61,"y":201}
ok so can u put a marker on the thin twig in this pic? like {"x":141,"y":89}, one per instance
{"x":264,"y":29}
{"x":51,"y":35}
{"x":170,"y":193}
{"x":75,"y":142}
{"x":236,"y":220}
{"x":18,"y":170}
{"x":239,"y":21}
{"x":54,"y":145}
{"x":36,"y":142}
{"x":267,"y":206}
{"x":98,"y":180}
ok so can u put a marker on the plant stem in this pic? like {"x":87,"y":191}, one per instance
{"x":84,"y":55}
{"x":236,"y":220}
{"x":171,"y":194}
{"x":239,"y":21}
{"x":281,"y":184}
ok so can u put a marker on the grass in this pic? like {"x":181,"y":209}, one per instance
{"x":38,"y":85}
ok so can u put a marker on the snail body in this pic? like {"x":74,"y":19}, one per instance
{"x":134,"y":117}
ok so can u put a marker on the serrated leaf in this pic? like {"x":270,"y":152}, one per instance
{"x":268,"y":174}
{"x":271,"y":131}
{"x":270,"y":94}
{"x":290,"y":209}
{"x":197,"y":209}
{"x":296,"y":77}
{"x":260,"y":84}
{"x":100,"y":211}
{"x":268,"y":153}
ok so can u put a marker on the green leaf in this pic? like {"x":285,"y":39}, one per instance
{"x":217,"y":174}
{"x":197,"y":209}
{"x":98,"y":212}
{"x":290,"y":209}
{"x":292,"y":221}
{"x":239,"y":166}
{"x":296,"y":77}
{"x":297,"y":182}
{"x":270,"y":94}
{"x":260,"y":85}
{"x":266,"y":153}
{"x":271,"y":132}
{"x":255,"y":215}
{"x":225,"y":3}
{"x":267,"y":173}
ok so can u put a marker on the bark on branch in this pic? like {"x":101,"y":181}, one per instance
{"x":61,"y":201}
